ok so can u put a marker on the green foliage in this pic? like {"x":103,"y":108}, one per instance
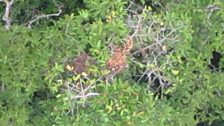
{"x":36,"y":87}
{"x":197,"y":86}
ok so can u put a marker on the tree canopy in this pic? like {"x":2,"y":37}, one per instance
{"x":112,"y":62}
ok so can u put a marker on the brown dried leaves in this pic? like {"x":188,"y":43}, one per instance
{"x":118,"y":61}
{"x":80,"y":64}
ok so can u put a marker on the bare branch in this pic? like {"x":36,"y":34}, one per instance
{"x":85,"y":95}
{"x":211,"y":9}
{"x":138,"y":24}
{"x":6,"y":16}
{"x":154,"y":38}
{"x":45,"y":16}
{"x":2,"y":87}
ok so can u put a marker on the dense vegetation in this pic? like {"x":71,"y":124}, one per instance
{"x":112,"y":62}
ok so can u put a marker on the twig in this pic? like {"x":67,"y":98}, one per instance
{"x":138,"y":23}
{"x":85,"y":96}
{"x":6,"y":16}
{"x":158,"y":41}
{"x":2,"y":87}
{"x":211,"y":9}
{"x":45,"y":16}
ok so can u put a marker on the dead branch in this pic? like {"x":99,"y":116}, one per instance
{"x":138,"y":24}
{"x":37,"y":18}
{"x":6,"y":16}
{"x":210,"y":9}
{"x":153,"y":38}
{"x":85,"y":95}
{"x":79,"y":90}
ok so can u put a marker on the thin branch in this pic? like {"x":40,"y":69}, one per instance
{"x":85,"y":96}
{"x":2,"y":87}
{"x":157,"y":41}
{"x":138,"y":24}
{"x":45,"y":16}
{"x":6,"y":16}
{"x":211,"y":9}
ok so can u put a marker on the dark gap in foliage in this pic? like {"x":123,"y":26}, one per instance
{"x":217,"y":122}
{"x":87,"y":48}
{"x":3,"y":103}
{"x":29,"y":45}
{"x":203,"y":124}
{"x":1,"y":83}
{"x":156,"y":7}
{"x":39,"y":96}
{"x":137,"y":6}
{"x":214,"y":123}
{"x":27,"y":10}
{"x":198,"y":81}
{"x":77,"y":5}
{"x":196,"y":72}
{"x":183,"y":59}
{"x":23,"y":90}
{"x":42,"y":94}
{"x":2,"y":7}
{"x":155,"y":81}
{"x":140,"y":78}
{"x":91,"y":21}
{"x":52,"y":23}
{"x":216,"y":57}
{"x":137,"y":76}
{"x":11,"y":121}
{"x":199,"y":112}
{"x":37,"y":111}
{"x":157,"y":85}
{"x":42,"y":6}
{"x":208,"y":112}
